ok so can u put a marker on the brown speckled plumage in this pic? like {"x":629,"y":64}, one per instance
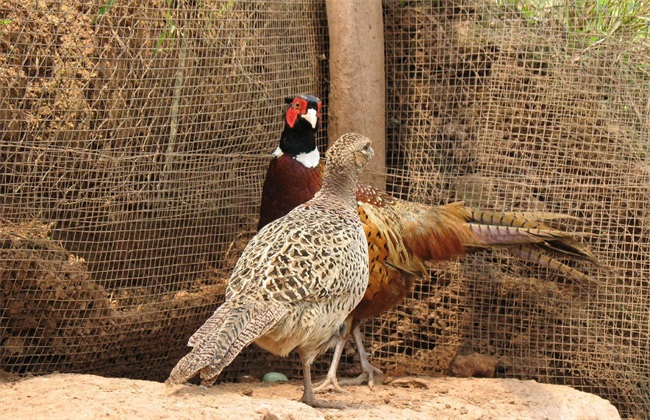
{"x":296,"y":281}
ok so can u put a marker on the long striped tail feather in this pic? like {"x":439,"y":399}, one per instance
{"x":532,"y":254}
{"x":233,"y":326}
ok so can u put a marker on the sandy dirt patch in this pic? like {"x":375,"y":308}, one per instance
{"x":88,"y":396}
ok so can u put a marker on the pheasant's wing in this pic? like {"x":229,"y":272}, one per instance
{"x":295,"y":258}
{"x":303,"y":256}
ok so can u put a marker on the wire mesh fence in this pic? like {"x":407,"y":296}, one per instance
{"x":136,"y":136}
{"x":526,"y":106}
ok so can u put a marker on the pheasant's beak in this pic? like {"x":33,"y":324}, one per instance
{"x":370,"y":152}
{"x":311,"y":116}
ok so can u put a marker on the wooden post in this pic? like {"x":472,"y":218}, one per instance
{"x":357,"y":97}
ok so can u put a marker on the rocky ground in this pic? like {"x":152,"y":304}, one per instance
{"x":87,"y":396}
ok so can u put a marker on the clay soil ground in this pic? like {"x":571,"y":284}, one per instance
{"x":86,"y":396}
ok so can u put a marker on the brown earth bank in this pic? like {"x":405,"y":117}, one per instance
{"x":87,"y":396}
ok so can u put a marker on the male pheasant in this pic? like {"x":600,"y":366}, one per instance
{"x":296,"y":166}
{"x":402,"y":235}
{"x":296,"y":281}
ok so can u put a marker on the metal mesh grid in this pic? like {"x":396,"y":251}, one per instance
{"x":513,"y":106}
{"x":135,"y":139}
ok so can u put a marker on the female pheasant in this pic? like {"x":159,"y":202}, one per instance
{"x":296,"y":281}
{"x":401,"y":235}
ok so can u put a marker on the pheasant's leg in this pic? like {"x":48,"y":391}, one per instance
{"x":308,"y":395}
{"x":368,"y":371}
{"x":330,"y":380}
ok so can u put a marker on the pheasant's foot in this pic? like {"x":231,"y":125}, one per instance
{"x":330,"y":382}
{"x":359,"y":380}
{"x":313,"y":402}
{"x":368,"y":375}
{"x":308,"y":393}
{"x":368,"y":371}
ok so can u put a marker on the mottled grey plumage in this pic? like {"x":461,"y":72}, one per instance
{"x":296,"y":281}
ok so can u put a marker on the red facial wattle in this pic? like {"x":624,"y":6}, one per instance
{"x":297,"y":108}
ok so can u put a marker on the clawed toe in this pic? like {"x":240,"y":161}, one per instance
{"x":329,"y":384}
{"x":359,"y":380}
{"x":322,"y":403}
{"x":367,"y":376}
